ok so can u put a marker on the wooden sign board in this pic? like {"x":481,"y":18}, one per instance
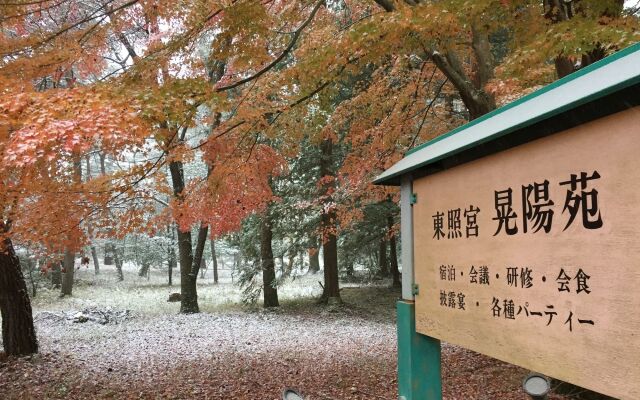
{"x":532,"y":255}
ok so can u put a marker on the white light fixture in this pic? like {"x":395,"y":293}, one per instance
{"x":537,"y":386}
{"x":290,"y":394}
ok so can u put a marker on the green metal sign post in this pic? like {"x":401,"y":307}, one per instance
{"x":419,"y":376}
{"x":418,"y":359}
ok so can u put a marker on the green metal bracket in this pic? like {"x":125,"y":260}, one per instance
{"x":415,"y":289}
{"x":414,"y":198}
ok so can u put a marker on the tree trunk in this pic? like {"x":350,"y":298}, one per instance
{"x":34,"y":285}
{"x":477,"y":100}
{"x":383,"y":261}
{"x":564,"y":66}
{"x":372,"y":261}
{"x":395,"y":272}
{"x":172,"y":264}
{"x":69,"y":255}
{"x":96,"y":263}
{"x":171,"y":255}
{"x":144,"y":270}
{"x":67,"y":276}
{"x":331,"y":292}
{"x":88,"y":167}
{"x":198,"y":260}
{"x":235,"y":264}
{"x":268,"y":263}
{"x":189,"y":302}
{"x":203,"y":269}
{"x":349,"y":269}
{"x":188,"y":289}
{"x":18,"y":332}
{"x":56,"y":275}
{"x":109,"y":249}
{"x":118,"y":262}
{"x":314,"y":260}
{"x":483,"y":68}
{"x":290,"y":262}
{"x":190,"y":262}
{"x":301,"y":258}
{"x":215,"y":261}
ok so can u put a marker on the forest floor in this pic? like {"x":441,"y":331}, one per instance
{"x":229,"y":351}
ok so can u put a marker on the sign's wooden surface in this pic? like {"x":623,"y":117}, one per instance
{"x":546,"y":275}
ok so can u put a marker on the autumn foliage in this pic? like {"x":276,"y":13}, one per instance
{"x":234,"y":86}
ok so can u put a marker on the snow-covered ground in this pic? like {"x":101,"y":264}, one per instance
{"x":149,"y":296}
{"x":228,"y":351}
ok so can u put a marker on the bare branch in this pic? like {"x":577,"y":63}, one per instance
{"x":287,"y":50}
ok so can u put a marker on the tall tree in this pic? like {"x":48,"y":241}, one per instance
{"x":331,"y":289}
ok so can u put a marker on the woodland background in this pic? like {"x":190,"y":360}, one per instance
{"x":233,"y":143}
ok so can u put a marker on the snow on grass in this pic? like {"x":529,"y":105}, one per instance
{"x":157,"y":332}
{"x":230,"y":350}
{"x":149,"y":296}
{"x":227,"y":351}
